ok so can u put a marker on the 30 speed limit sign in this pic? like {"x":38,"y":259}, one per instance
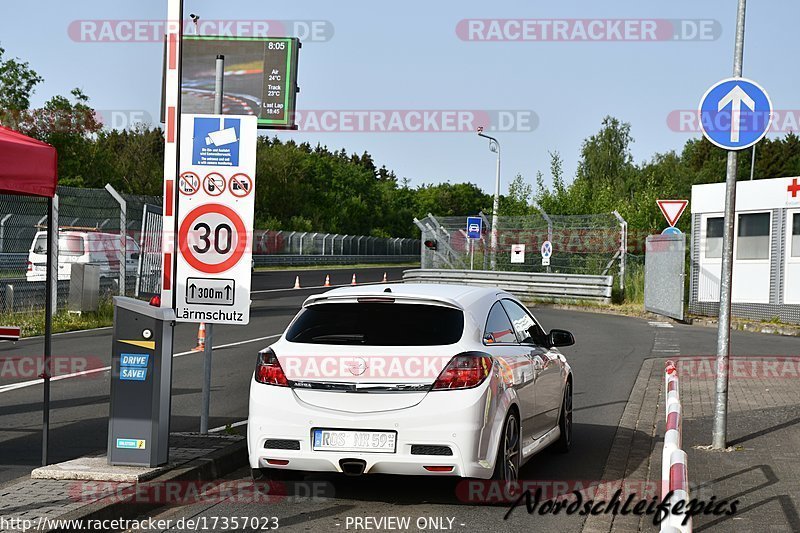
{"x":215,"y":219}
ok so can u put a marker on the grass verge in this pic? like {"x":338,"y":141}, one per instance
{"x":32,"y":322}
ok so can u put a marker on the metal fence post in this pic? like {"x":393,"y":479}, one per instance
{"x":303,"y":236}
{"x":123,"y":224}
{"x":3,"y":231}
{"x":623,"y":249}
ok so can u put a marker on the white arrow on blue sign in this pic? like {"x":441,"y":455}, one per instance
{"x":735,"y":113}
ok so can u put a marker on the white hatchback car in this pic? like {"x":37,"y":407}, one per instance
{"x":410,"y":379}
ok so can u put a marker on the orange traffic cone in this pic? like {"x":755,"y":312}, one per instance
{"x":327,"y":280}
{"x":354,"y":280}
{"x":384,"y":277}
{"x":201,"y":338}
{"x":297,"y":282}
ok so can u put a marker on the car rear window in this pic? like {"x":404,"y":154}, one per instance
{"x":377,"y":324}
{"x":67,"y":245}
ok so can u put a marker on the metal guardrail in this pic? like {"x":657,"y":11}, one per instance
{"x":536,"y":286}
{"x":300,"y":260}
{"x":13,"y":261}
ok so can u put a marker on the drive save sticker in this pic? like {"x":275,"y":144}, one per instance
{"x":132,"y":374}
{"x":133,"y":366}
{"x":132,"y":444}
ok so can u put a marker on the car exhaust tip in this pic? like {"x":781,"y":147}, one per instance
{"x":353,"y":467}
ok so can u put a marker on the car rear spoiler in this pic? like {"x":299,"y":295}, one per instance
{"x":396,"y":298}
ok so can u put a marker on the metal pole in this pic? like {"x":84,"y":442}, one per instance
{"x":49,"y":307}
{"x":219,"y":84}
{"x":494,"y":146}
{"x":753,"y":163}
{"x":206,"y":407}
{"x":3,"y":231}
{"x":206,"y":379}
{"x":123,"y":222}
{"x":724,"y":329}
{"x":472,"y":254}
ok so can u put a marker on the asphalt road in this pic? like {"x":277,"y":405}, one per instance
{"x":79,"y":405}
{"x":606,"y":360}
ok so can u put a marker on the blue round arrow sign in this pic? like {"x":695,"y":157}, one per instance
{"x":735,"y":113}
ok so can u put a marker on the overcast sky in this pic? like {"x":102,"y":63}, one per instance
{"x":557,"y":75}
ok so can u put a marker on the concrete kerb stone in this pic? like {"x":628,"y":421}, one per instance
{"x":216,"y":464}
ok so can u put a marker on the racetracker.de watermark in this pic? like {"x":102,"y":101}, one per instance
{"x":588,"y":30}
{"x":739,"y":367}
{"x":416,"y":120}
{"x":299,"y":367}
{"x":688,"y":121}
{"x":152,"y":31}
{"x":25,"y":367}
{"x":200,"y":491}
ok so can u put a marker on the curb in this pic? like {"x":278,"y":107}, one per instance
{"x":211,"y":466}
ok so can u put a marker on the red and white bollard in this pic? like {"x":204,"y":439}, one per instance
{"x":297,"y":282}
{"x":672,"y":441}
{"x":679,"y":484}
{"x":327,"y":280}
{"x":353,"y":282}
{"x":384,"y":278}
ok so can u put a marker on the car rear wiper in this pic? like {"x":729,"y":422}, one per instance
{"x":342,"y":338}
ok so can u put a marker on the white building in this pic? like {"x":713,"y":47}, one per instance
{"x":766,"y":249}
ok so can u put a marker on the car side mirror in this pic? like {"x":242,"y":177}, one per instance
{"x":560,"y":337}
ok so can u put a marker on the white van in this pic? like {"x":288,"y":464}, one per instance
{"x":89,"y":247}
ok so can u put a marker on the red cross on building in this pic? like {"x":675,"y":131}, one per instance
{"x":794,"y":188}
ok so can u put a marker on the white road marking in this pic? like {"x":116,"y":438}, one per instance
{"x":39,"y":381}
{"x":223,"y":428}
{"x":660,"y":324}
{"x":59,"y":334}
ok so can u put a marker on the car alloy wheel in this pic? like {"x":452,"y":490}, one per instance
{"x":511,"y":453}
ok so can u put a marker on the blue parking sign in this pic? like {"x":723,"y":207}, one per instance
{"x":735,"y":113}
{"x":474,"y":227}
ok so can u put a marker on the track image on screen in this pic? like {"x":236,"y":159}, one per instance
{"x":260,"y":77}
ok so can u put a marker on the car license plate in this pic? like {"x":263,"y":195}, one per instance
{"x":354,"y":441}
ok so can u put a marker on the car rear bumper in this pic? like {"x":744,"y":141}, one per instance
{"x":455,"y":419}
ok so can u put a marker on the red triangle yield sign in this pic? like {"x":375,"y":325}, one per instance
{"x":672,"y":209}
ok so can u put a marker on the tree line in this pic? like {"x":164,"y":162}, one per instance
{"x":313,"y":188}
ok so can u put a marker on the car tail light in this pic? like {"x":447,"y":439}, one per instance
{"x":268,"y":369}
{"x":30,"y":266}
{"x":464,"y":371}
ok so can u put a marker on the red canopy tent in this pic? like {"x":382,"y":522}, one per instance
{"x":30,"y":167}
{"x":27,"y":166}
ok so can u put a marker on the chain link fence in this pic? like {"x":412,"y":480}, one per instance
{"x":89,"y":223}
{"x":582,"y":244}
{"x":89,"y":232}
{"x":267,"y":242}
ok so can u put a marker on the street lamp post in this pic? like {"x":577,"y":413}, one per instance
{"x":494,"y":146}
